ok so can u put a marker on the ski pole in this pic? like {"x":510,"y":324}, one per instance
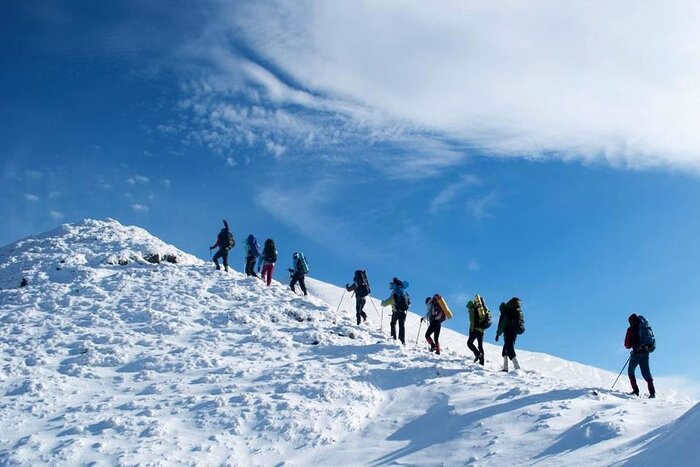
{"x":418,"y":336}
{"x":623,"y":369}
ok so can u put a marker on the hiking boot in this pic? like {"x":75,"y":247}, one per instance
{"x":476,"y":358}
{"x":437,"y":351}
{"x":652,"y":396}
{"x":481,"y":360}
{"x":633,"y":393}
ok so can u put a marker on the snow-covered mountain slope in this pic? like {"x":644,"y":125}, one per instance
{"x":123,"y":362}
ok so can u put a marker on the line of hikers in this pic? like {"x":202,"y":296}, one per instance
{"x":511,"y":323}
{"x":265,"y":259}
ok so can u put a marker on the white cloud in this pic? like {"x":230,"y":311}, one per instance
{"x":137,"y":179}
{"x":54,"y":194}
{"x":139,"y":207}
{"x":482,"y":207}
{"x":230,"y":162}
{"x":166,"y":183}
{"x":451,"y":191}
{"x":31,"y":197}
{"x":274,"y":148}
{"x":591,"y":81}
{"x":473,"y":266}
{"x":56,"y":215}
{"x":309,"y":217}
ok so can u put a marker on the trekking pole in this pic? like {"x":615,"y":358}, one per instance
{"x":381,"y":322}
{"x":623,"y":369}
{"x":339,"y":303}
{"x":418,"y":336}
{"x":375,"y":307}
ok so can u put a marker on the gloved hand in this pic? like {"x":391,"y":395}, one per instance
{"x":211,"y":248}
{"x":290,"y":270}
{"x":496,"y":337}
{"x":422,"y":319}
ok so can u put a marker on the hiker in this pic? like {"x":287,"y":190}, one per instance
{"x":479,"y":321}
{"x":400,"y":302}
{"x":225,"y":242}
{"x":298,"y":271}
{"x":360,"y":285}
{"x":252,"y":252}
{"x":434,"y":316}
{"x":510,"y":324}
{"x":267,"y":260}
{"x":640,"y":338}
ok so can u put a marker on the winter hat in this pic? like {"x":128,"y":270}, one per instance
{"x":396,"y":281}
{"x":632,"y":319}
{"x":427,"y":299}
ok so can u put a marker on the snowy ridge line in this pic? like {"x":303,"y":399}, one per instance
{"x":123,"y":364}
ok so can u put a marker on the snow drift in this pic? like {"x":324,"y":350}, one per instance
{"x":123,"y":350}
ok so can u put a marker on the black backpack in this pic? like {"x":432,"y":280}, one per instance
{"x":647,"y":340}
{"x":270,"y":252}
{"x":361,"y":284}
{"x":226,"y":239}
{"x":402,"y":300}
{"x":514,"y":314}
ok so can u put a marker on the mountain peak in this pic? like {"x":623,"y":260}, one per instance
{"x":72,"y":247}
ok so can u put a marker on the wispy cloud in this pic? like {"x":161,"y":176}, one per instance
{"x":140,"y":207}
{"x":448,"y":193}
{"x":137,"y":179}
{"x":473,"y":265}
{"x":31,"y":197}
{"x":311,"y":218}
{"x":482,"y":207}
{"x":585,"y":82}
{"x":56,"y":215}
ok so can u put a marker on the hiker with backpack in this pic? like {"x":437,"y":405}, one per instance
{"x":300,"y":267}
{"x":360,"y":285}
{"x":252,"y":252}
{"x":434,"y":315}
{"x":640,"y":338}
{"x":400,"y":302}
{"x":225,"y":242}
{"x":479,"y":321}
{"x":267,"y":260}
{"x":510,"y":324}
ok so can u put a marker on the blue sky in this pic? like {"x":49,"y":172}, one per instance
{"x":550,"y":154}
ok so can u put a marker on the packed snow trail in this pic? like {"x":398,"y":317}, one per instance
{"x":110,"y":359}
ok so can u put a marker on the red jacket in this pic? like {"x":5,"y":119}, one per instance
{"x":628,"y":338}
